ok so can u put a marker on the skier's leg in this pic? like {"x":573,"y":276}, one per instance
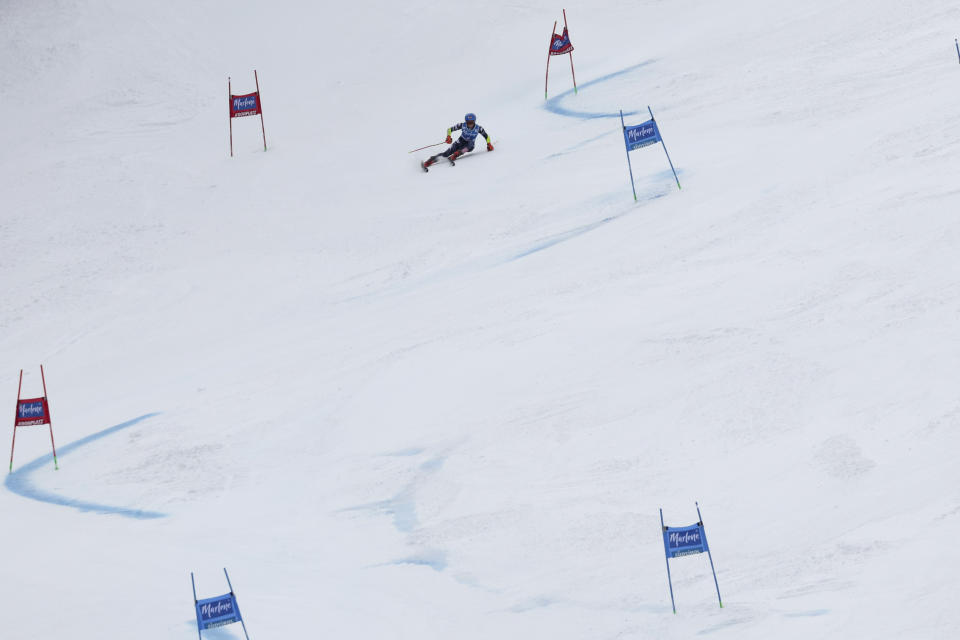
{"x":456,"y":146}
{"x":463,"y":146}
{"x":429,"y":161}
{"x":467,"y":148}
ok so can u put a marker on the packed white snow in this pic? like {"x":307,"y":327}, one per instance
{"x":449,"y":405}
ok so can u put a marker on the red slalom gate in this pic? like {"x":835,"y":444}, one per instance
{"x":32,"y":412}
{"x":560,"y":45}
{"x":247,"y":104}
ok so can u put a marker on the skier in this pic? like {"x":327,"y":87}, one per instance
{"x":469,"y":130}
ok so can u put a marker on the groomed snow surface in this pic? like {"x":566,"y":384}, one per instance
{"x":449,"y":405}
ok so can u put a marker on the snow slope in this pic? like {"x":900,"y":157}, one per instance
{"x":450,"y":405}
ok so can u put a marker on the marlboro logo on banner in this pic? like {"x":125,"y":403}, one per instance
{"x":560,"y":44}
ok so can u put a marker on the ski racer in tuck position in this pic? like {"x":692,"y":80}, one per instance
{"x":469,"y":130}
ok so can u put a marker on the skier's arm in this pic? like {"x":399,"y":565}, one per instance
{"x":455,"y":127}
{"x":486,"y":137}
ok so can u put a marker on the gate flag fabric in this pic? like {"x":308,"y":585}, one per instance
{"x":32,"y":412}
{"x":217,"y":611}
{"x":641,"y":135}
{"x":560,"y":43}
{"x":559,"y":46}
{"x":686,"y":541}
{"x":245,"y":105}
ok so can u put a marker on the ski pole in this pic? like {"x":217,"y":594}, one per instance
{"x":427,"y":147}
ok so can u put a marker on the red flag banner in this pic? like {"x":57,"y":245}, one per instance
{"x":560,"y":44}
{"x":32,"y":411}
{"x":246,"y":105}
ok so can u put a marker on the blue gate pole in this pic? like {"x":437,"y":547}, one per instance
{"x":709,"y":555}
{"x":242,"y":623}
{"x":665,"y":148}
{"x":958,"y":49}
{"x":194,"y":585}
{"x":623,"y":130}
{"x":669,"y":579}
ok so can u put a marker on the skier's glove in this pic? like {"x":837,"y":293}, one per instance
{"x":489,"y":147}
{"x":449,"y":139}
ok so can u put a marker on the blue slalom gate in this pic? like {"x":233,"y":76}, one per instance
{"x":643,"y":135}
{"x":686,"y":541}
{"x":217,"y":611}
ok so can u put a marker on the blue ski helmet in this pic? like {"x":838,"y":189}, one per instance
{"x":469,"y":118}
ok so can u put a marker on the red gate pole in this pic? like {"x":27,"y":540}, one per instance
{"x":260,"y":104}
{"x":15,"y":414}
{"x":573,"y":74}
{"x":571,"y":53}
{"x":230,"y":102}
{"x":549,"y":51}
{"x":49,"y":419}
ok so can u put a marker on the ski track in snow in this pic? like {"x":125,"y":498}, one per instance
{"x":402,"y":507}
{"x":553,"y":105}
{"x":19,"y":482}
{"x":578,"y":146}
{"x":504,"y":258}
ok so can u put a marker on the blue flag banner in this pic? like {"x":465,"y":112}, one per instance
{"x":218,"y":611}
{"x":684,"y":541}
{"x":641,"y":135}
